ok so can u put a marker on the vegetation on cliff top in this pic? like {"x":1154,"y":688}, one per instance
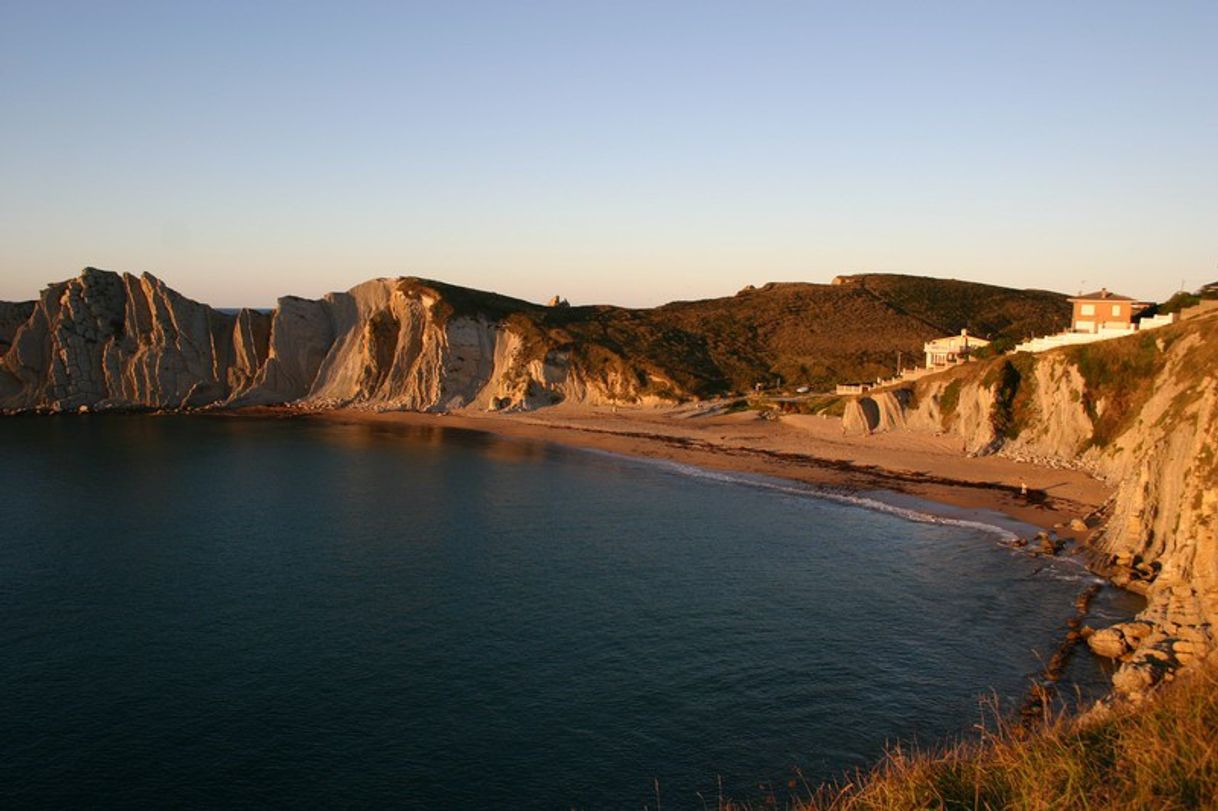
{"x":1119,"y":377}
{"x":787,"y":334}
{"x":1120,"y":374}
{"x":604,"y":340}
{"x":1160,"y":755}
{"x":793,"y":333}
{"x":824,"y":334}
{"x":985,"y":310}
{"x":1184,"y":299}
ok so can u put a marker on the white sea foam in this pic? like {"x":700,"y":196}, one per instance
{"x":1068,"y":569}
{"x":808,"y":491}
{"x":1065,"y":569}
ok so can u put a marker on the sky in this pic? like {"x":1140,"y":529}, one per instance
{"x":617,"y":152}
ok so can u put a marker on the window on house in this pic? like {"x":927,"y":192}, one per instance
{"x":1087,"y":309}
{"x":1116,"y":309}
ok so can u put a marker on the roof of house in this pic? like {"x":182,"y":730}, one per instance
{"x":953,"y":340}
{"x":1103,"y":294}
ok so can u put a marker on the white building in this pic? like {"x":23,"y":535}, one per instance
{"x":1100,"y":316}
{"x":952,"y":349}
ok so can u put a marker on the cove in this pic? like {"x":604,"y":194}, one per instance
{"x":212,"y":611}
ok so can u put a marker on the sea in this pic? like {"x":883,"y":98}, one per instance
{"x":208,"y":611}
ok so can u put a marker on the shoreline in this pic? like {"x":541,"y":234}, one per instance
{"x":943,"y":484}
{"x":929,"y":476}
{"x":984,"y":492}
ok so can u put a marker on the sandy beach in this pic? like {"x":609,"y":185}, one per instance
{"x":807,"y":449}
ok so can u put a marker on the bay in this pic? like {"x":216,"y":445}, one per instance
{"x":203,"y":611}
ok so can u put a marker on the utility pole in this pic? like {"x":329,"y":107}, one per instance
{"x":898,"y":363}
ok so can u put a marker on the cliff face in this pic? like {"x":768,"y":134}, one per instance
{"x":105,"y":340}
{"x":12,"y":315}
{"x":127,"y":341}
{"x":1140,"y":412}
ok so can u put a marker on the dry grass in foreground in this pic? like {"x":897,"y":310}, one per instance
{"x":1160,"y":755}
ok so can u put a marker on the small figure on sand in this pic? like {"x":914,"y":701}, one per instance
{"x":1023,"y":488}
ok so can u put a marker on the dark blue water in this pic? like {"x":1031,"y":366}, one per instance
{"x":217,"y":611}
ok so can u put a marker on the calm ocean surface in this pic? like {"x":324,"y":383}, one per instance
{"x":216,"y":611}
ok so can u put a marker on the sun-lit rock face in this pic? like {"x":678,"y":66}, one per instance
{"x":107,"y":340}
{"x":1140,"y":412}
{"x":414,"y":343}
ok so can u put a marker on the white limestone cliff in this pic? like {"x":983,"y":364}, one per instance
{"x":105,"y":340}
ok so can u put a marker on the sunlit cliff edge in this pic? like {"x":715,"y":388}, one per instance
{"x":1140,"y":412}
{"x":108,"y":340}
{"x":105,"y":340}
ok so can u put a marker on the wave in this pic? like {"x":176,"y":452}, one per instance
{"x":1063,"y":568}
{"x":1073,"y":575}
{"x":809,"y":491}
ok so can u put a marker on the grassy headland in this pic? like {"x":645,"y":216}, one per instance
{"x":1161,"y":755}
{"x":789,"y":333}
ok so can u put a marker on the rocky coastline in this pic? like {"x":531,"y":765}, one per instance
{"x":1139,"y":415}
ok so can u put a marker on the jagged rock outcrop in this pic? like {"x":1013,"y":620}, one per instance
{"x":105,"y":340}
{"x":794,"y":332}
{"x":1140,"y":412}
{"x":300,"y":337}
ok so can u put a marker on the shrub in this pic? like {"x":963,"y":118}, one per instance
{"x":1162,"y":754}
{"x":1118,"y":377}
{"x":948,"y":401}
{"x":1013,"y":384}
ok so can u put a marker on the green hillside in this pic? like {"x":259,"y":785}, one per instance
{"x":793,"y":333}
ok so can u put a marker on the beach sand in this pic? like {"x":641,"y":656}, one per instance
{"x":802,"y":448}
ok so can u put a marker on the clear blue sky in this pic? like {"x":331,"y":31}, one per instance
{"x":608,"y":151}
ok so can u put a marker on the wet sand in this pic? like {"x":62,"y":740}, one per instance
{"x":807,"y":449}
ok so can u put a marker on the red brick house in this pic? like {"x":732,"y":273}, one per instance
{"x":1103,"y":310}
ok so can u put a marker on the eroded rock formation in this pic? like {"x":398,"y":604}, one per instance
{"x":105,"y":340}
{"x":1140,"y":412}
